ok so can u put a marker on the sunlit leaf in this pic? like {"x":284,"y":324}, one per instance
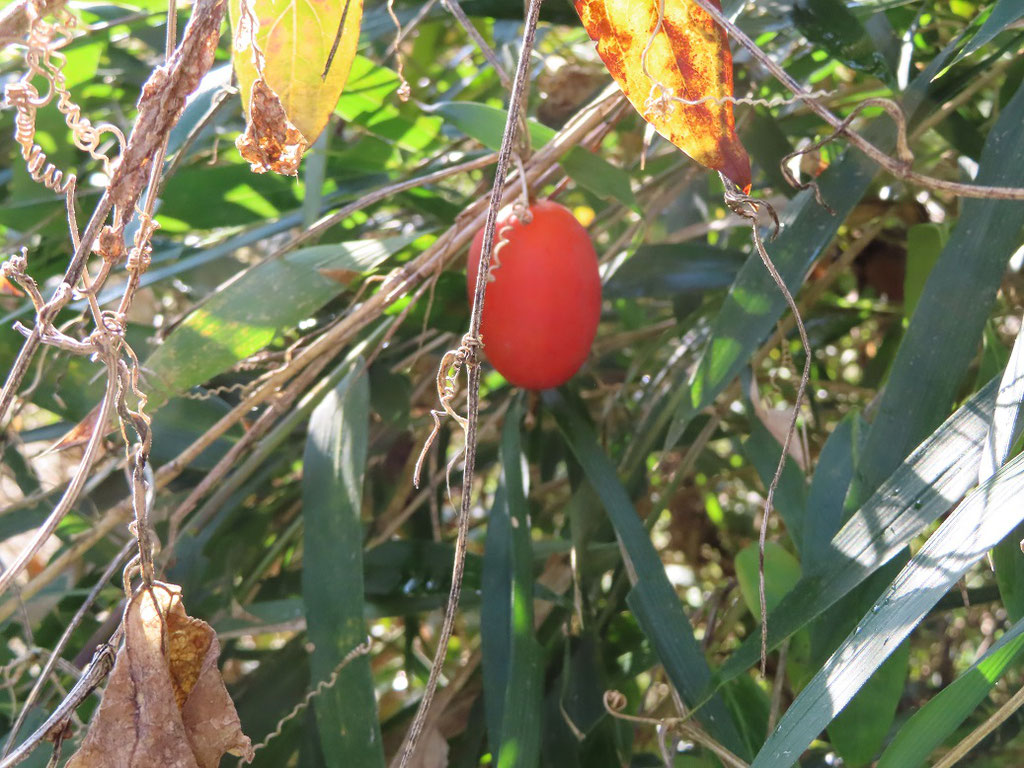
{"x":687,"y":58}
{"x":307,"y":49}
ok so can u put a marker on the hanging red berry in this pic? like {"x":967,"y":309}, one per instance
{"x":544,"y":300}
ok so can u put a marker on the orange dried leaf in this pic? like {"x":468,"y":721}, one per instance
{"x":165,"y":703}
{"x":7,"y":288}
{"x":294,"y":42}
{"x":687,"y":59}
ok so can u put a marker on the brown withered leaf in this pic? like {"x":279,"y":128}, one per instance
{"x":163,"y":100}
{"x":270,"y":141}
{"x":79,"y":434}
{"x":688,"y":59}
{"x":302,"y":49}
{"x":165,"y":703}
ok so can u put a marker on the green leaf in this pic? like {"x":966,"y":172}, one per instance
{"x":933,"y":723}
{"x":920,"y":389}
{"x":858,"y":731}
{"x":924,"y":244}
{"x":830,"y":24}
{"x":496,"y":616}
{"x":245,"y":315}
{"x":982,"y":519}
{"x":932,"y":478}
{"x":332,"y":573}
{"x":667,"y":270}
{"x":368,"y":100}
{"x":589,"y":170}
{"x":754,"y":303}
{"x":521,"y":724}
{"x":652,"y":599}
{"x":1004,"y":13}
{"x":831,"y":480}
{"x":781,"y":573}
{"x":1003,"y":434}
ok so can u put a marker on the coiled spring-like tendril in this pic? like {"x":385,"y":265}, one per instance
{"x":44,"y":59}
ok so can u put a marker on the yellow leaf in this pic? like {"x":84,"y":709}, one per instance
{"x":297,"y":38}
{"x":687,"y":58}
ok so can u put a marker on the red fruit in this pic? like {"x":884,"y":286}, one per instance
{"x":543,"y":303}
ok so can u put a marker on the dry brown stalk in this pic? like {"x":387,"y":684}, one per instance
{"x":398,"y":284}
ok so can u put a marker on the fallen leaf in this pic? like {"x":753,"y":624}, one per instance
{"x":306,"y":49}
{"x":165,"y":703}
{"x":687,"y":59}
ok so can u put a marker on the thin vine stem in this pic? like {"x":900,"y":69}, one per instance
{"x":58,"y":649}
{"x":472,"y":343}
{"x":897,"y":167}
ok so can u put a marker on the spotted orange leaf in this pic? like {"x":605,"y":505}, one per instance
{"x":687,"y":60}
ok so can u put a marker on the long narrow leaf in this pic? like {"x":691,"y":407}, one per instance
{"x":332,"y":574}
{"x":920,"y":389}
{"x":982,"y":519}
{"x":520,"y":727}
{"x":245,"y":315}
{"x":652,"y":599}
{"x":928,"y":483}
{"x":936,"y":720}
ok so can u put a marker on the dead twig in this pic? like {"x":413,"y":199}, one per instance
{"x":468,"y":353}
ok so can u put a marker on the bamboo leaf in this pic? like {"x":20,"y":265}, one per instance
{"x":1003,"y":434}
{"x":588,"y":169}
{"x":246,"y":314}
{"x":920,"y":390}
{"x":332,"y":490}
{"x":1004,"y":13}
{"x":652,"y":599}
{"x":521,"y":724}
{"x":932,"y":478}
{"x":978,"y":523}
{"x":933,"y":723}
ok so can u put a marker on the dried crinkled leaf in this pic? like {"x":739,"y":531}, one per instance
{"x":270,"y":141}
{"x":303,"y":59}
{"x":687,"y":59}
{"x":165,"y":703}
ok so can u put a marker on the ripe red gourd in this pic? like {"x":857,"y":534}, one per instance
{"x":542,"y":306}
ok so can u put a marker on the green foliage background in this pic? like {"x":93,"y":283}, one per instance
{"x":626,"y":504}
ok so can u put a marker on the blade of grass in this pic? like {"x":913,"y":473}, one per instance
{"x":920,"y":389}
{"x":245,"y":315}
{"x":932,"y":478}
{"x":1003,"y":434}
{"x":496,"y":616}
